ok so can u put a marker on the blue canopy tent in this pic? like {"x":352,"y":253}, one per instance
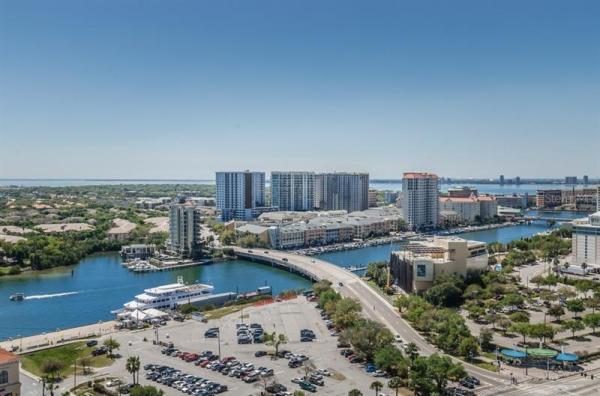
{"x":513,"y":353}
{"x":566,"y":357}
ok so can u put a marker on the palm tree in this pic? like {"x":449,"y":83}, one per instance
{"x":112,"y":345}
{"x":396,"y":383}
{"x":51,"y":369}
{"x":133,"y":366}
{"x":355,"y":392}
{"x":85,"y":363}
{"x":376,"y":386}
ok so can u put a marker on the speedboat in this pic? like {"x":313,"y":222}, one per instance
{"x":17,"y":297}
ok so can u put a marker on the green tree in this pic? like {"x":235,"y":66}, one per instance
{"x":584,"y":285}
{"x":329,"y":296}
{"x":390,"y":359}
{"x":472,"y":291}
{"x":541,"y":331}
{"x":468,"y":347}
{"x":512,"y":299}
{"x":112,"y":345}
{"x":566,"y":292}
{"x":346,"y":312}
{"x":522,"y":329}
{"x":593,"y":303}
{"x":227,"y":237}
{"x":486,"y":336}
{"x":519,"y":317}
{"x":133,"y":367}
{"x":412,"y":350}
{"x":446,"y":292}
{"x":556,"y":311}
{"x":355,"y":392}
{"x":275,"y":340}
{"x":576,"y":306}
{"x":592,"y":320}
{"x":573,"y":326}
{"x":504,"y":324}
{"x":396,"y":383}
{"x":367,"y":337}
{"x":85,"y":363}
{"x":321,"y":286}
{"x":146,"y":391}
{"x":441,"y":369}
{"x":402,"y":303}
{"x":493,"y":318}
{"x":376,"y":386}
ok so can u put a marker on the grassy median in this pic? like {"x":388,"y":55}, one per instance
{"x":66,"y":354}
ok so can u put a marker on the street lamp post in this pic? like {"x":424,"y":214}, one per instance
{"x":219,"y":340}
{"x":526,"y":359}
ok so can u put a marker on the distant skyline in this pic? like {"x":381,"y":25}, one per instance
{"x":181,"y":89}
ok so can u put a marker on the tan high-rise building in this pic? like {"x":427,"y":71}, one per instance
{"x":420,"y":200}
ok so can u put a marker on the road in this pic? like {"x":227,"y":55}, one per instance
{"x":374,"y":305}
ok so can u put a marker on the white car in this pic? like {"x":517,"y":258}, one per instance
{"x":324,"y":372}
{"x":113,"y":382}
{"x":399,"y":339}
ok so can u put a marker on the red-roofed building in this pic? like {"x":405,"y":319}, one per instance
{"x":10,"y":384}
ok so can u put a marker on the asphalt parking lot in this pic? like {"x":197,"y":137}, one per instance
{"x":287,"y":317}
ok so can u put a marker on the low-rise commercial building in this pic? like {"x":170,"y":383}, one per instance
{"x":151,"y":203}
{"x":515,"y":201}
{"x":289,"y":230}
{"x":416,"y":268}
{"x":470,"y":209}
{"x":137,"y":251}
{"x":548,"y":198}
{"x":262,"y":233}
{"x":509,"y":213}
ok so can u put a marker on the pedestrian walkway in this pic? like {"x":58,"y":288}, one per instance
{"x":45,"y":340}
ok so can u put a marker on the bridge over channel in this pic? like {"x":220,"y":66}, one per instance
{"x":348,"y":284}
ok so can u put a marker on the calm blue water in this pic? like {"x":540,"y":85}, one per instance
{"x":495,"y":189}
{"x":393,"y":185}
{"x":361,"y":257}
{"x":101,"y":284}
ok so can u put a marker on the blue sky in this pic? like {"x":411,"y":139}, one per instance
{"x":180,"y":89}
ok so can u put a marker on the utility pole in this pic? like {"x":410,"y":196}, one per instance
{"x":75,"y":373}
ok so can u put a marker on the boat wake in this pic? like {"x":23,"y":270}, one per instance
{"x":43,"y":296}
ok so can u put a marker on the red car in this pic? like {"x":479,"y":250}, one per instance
{"x":191,"y":357}
{"x":205,"y":363}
